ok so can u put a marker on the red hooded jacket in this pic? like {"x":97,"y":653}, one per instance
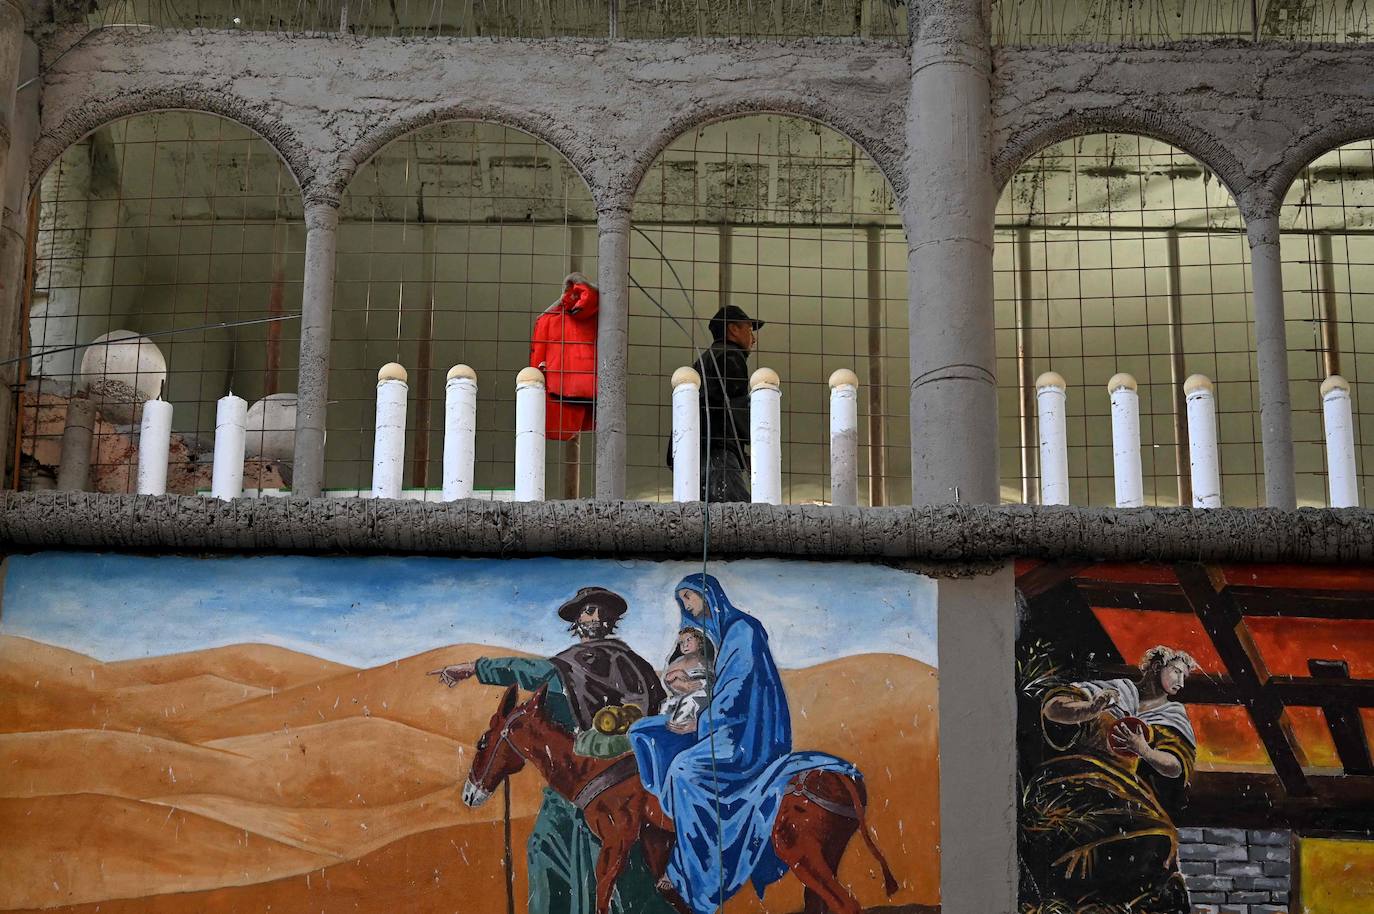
{"x":564,"y":343}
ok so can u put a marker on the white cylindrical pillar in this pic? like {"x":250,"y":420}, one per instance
{"x":1341,"y":479}
{"x":389,"y":444}
{"x":686,"y":435}
{"x":529,"y":435}
{"x":460,"y":432}
{"x":1202,"y":442}
{"x":844,"y":438}
{"x":154,"y":447}
{"x":765,"y":437}
{"x":1051,"y":402}
{"x":1130,"y":486}
{"x":231,"y":424}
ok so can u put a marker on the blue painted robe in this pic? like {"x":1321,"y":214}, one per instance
{"x":722,"y":785}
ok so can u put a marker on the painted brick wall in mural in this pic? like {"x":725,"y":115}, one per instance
{"x":1195,"y":739}
{"x":371,"y":735}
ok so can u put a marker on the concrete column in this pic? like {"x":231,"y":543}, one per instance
{"x":1271,"y":347}
{"x":948,"y":214}
{"x":389,"y":436}
{"x":12,"y":42}
{"x":686,"y":435}
{"x":976,"y":636}
{"x":612,"y":347}
{"x":14,"y":214}
{"x":844,"y":437}
{"x":765,"y":437}
{"x":1341,"y":477}
{"x":317,"y":305}
{"x":74,"y":468}
{"x":529,"y":435}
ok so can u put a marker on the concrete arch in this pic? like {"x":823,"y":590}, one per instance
{"x":1327,"y":138}
{"x":886,"y":153}
{"x":1157,"y":125}
{"x":560,"y":138}
{"x":93,"y":114}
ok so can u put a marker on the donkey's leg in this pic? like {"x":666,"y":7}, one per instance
{"x":811,"y":842}
{"x":657,"y":846}
{"x":610,"y":863}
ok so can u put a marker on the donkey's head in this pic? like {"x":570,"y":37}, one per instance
{"x":497,"y":757}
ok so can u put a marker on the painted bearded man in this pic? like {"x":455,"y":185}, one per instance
{"x":599,"y":671}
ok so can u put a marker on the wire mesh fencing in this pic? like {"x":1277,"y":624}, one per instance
{"x":1118,"y":253}
{"x":167,"y":261}
{"x":794,"y":224}
{"x":1155,"y":22}
{"x":452,"y":241}
{"x":1328,"y":276}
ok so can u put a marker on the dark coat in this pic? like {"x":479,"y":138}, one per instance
{"x":605,"y":672}
{"x":724,"y":400}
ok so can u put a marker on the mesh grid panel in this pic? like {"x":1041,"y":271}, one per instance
{"x":1328,"y":278}
{"x":152,"y":227}
{"x":1119,"y":253}
{"x":792,"y":222}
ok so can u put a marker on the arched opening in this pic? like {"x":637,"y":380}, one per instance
{"x":173,"y":241}
{"x":1120,"y":253}
{"x":452,"y":240}
{"x":1327,"y":223}
{"x":792,"y":222}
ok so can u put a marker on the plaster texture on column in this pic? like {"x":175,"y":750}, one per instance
{"x":765,"y":437}
{"x":154,"y":447}
{"x":317,"y":306}
{"x":612,"y":348}
{"x":844,"y":438}
{"x":1271,"y":356}
{"x":530,"y":443}
{"x":23,"y":124}
{"x":389,"y":434}
{"x":1126,"y":469}
{"x":231,"y":433}
{"x":976,"y":637}
{"x":948,"y":214}
{"x":968,"y":535}
{"x":74,"y":471}
{"x":1342,"y":477}
{"x":460,"y":432}
{"x":1203,"y":456}
{"x":686,"y":443}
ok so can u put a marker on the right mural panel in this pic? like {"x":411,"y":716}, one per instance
{"x":1195,"y":738}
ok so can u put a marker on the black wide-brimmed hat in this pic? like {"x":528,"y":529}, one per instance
{"x":611,"y":604}
{"x":728,"y":315}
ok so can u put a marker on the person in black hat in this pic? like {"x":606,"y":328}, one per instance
{"x":599,"y":671}
{"x":724,"y":370}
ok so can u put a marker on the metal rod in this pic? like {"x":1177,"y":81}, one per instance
{"x":419,"y":465}
{"x":25,"y":309}
{"x":218,"y":325}
{"x":725,"y":249}
{"x":572,"y":467}
{"x":1177,"y":374}
{"x":877,"y":433}
{"x":1030,"y":443}
{"x":1329,"y":323}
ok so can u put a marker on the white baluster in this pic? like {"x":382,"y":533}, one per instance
{"x":1051,"y":400}
{"x":389,"y":443}
{"x":460,"y":432}
{"x":844,"y":437}
{"x":686,"y":435}
{"x":154,"y":447}
{"x":529,"y":435}
{"x":1341,"y":479}
{"x":1130,"y":486}
{"x":231,"y":431}
{"x":765,"y":437}
{"x":1202,"y":442}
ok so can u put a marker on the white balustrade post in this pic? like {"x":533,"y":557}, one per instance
{"x":1051,"y":401}
{"x":389,"y":443}
{"x":1202,"y":442}
{"x":686,"y":435}
{"x":844,"y":437}
{"x":765,"y":437}
{"x":1342,"y":482}
{"x":154,"y":447}
{"x":460,"y":432}
{"x":1130,"y":486}
{"x":529,"y":435}
{"x":231,"y":431}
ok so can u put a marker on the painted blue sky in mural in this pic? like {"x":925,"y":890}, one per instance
{"x":367,"y":611}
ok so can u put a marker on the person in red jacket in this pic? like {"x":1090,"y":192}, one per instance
{"x":564,"y":348}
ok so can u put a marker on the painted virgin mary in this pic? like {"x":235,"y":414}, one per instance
{"x":1095,"y":821}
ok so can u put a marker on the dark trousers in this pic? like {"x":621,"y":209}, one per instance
{"x":724,"y":477}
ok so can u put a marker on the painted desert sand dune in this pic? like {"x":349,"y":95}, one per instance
{"x":320,"y":787}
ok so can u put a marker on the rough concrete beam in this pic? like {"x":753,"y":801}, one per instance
{"x":946,"y":533}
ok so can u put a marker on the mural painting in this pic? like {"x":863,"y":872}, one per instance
{"x":440,"y":735}
{"x":1195,"y":739}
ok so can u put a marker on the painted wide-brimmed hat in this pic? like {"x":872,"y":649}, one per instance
{"x":611,"y":604}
